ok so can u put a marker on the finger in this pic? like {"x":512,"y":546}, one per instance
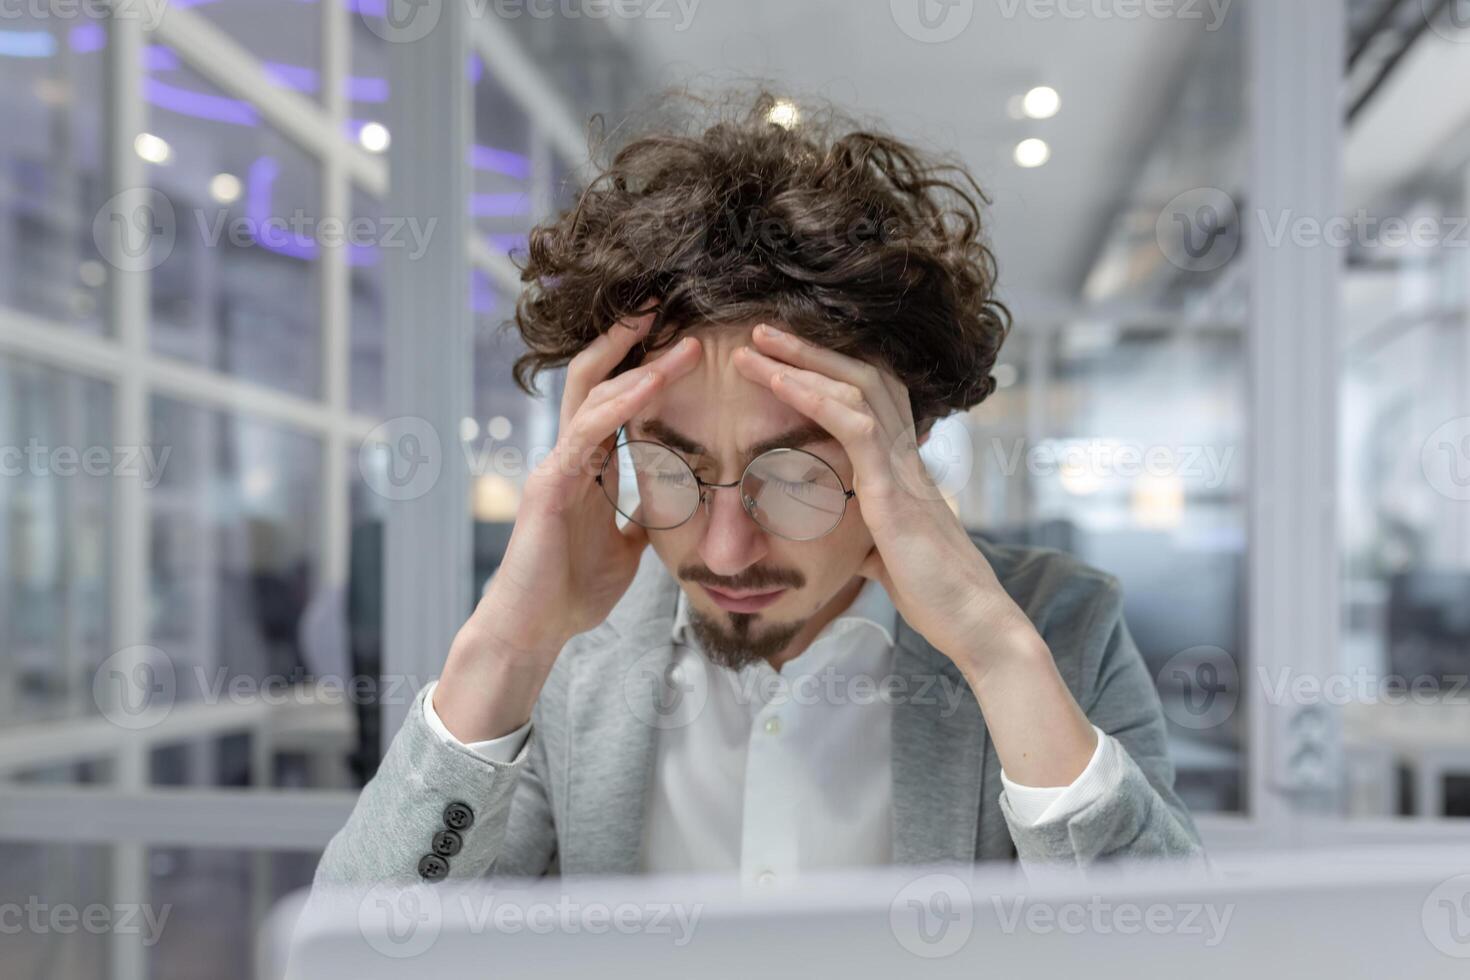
{"x":670,"y":364}
{"x":860,"y":433}
{"x":593,"y":363}
{"x":763,"y":370}
{"x":594,"y":425}
{"x":871,"y":380}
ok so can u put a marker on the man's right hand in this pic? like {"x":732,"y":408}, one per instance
{"x":567,"y":563}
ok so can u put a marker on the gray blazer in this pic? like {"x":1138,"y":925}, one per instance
{"x":573,"y":801}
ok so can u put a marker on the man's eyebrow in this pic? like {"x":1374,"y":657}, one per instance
{"x":802,"y":435}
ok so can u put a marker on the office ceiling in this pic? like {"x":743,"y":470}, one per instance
{"x":1116,"y":78}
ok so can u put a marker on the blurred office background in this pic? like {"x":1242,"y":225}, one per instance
{"x":1258,"y":418}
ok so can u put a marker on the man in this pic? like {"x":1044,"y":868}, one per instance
{"x":736,"y":629}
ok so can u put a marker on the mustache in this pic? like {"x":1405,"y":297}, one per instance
{"x":751,"y":579}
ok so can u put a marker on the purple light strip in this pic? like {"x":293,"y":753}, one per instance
{"x":499,"y":205}
{"x":258,"y":181}
{"x":500,"y":161}
{"x":88,"y":37}
{"x":185,"y":102}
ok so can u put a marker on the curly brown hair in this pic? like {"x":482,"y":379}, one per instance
{"x":855,"y":240}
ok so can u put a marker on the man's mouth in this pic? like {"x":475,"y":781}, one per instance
{"x":747,"y":601}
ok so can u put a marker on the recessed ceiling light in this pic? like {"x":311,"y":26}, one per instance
{"x":151,"y":148}
{"x":784,"y":114}
{"x":1032,"y":153}
{"x":224,"y":188}
{"x":1042,"y":102}
{"x":374,"y":137}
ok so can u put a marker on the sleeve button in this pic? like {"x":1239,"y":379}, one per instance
{"x":458,"y":816}
{"x":432,"y":867}
{"x":447,"y":843}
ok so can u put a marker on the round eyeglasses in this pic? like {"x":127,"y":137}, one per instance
{"x":787,"y":492}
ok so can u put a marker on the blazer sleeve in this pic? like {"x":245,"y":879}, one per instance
{"x":1140,"y":816}
{"x":425,"y":786}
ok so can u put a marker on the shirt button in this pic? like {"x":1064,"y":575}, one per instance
{"x":766,"y":878}
{"x":773,"y":726}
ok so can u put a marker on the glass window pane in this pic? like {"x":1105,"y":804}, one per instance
{"x":238,"y":289}
{"x":51,"y":185}
{"x":68,"y":876}
{"x":241,"y":615}
{"x":508,"y":431}
{"x":218,"y":899}
{"x":367,"y":84}
{"x":1404,"y":481}
{"x":285,"y":35}
{"x":500,"y":164}
{"x":56,"y":499}
{"x":1155,"y":496}
{"x":365,"y":373}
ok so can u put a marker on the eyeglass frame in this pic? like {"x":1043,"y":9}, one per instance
{"x":703,"y":485}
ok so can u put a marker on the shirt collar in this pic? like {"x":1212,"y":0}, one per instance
{"x":871,"y":606}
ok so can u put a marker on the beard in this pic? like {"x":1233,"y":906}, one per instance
{"x":735,"y":640}
{"x":741,"y":642}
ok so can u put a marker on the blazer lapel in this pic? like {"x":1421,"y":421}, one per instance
{"x":940,"y":747}
{"x":619,"y":696}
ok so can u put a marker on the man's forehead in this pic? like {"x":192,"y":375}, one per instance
{"x":751,"y":439}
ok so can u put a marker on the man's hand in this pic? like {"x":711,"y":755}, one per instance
{"x":939,"y":581}
{"x":567,"y":563}
{"x":922,"y":555}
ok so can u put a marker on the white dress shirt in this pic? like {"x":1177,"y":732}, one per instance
{"x":783,"y":771}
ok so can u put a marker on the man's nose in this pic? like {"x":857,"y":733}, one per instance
{"x":731,"y":542}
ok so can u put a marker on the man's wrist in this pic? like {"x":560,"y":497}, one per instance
{"x":1006,"y":647}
